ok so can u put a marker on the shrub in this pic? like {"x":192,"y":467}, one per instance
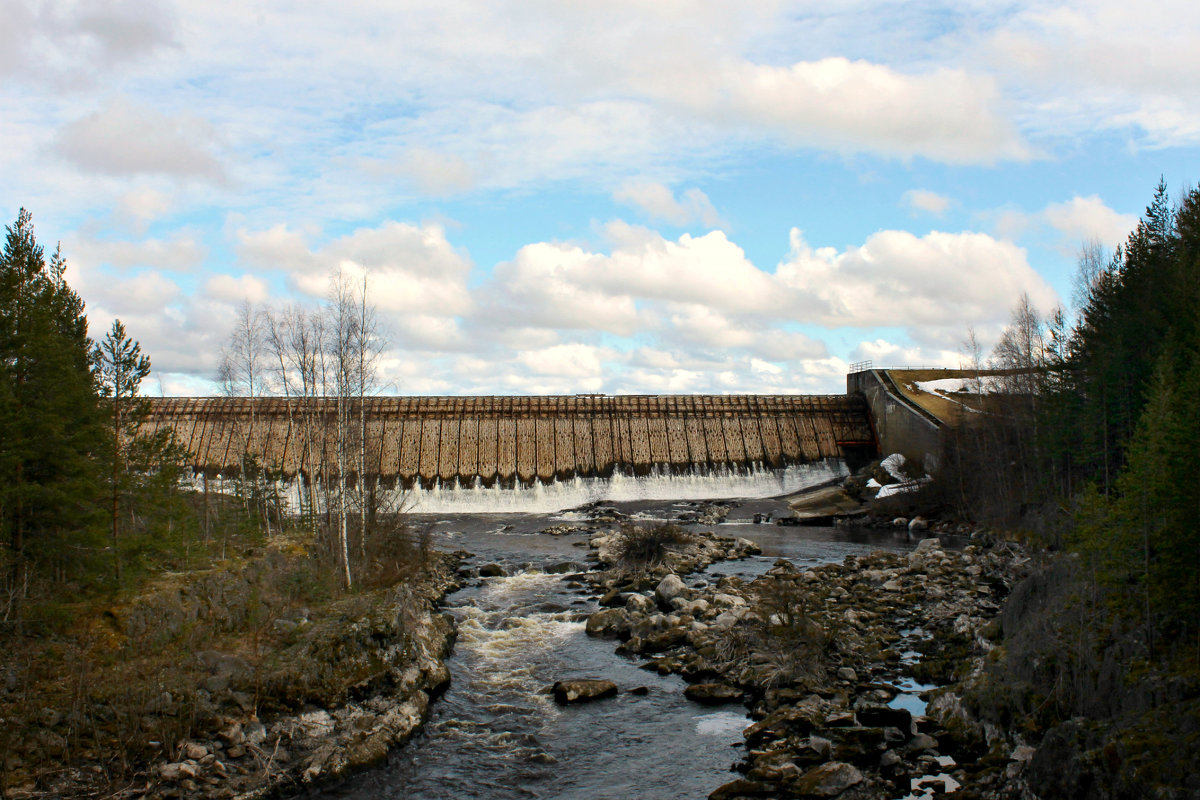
{"x":639,"y":549}
{"x":780,"y":639}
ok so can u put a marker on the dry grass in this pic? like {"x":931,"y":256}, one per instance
{"x":945,"y":409}
{"x":639,"y":549}
{"x":116,"y":686}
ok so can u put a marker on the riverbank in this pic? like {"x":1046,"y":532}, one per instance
{"x":827,"y":659}
{"x":245,"y":681}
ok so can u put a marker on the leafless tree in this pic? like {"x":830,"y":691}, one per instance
{"x":1092,"y":262}
{"x":368,"y":345}
{"x":341,"y":335}
{"x":242,"y":357}
{"x":319,"y":360}
{"x":1021,"y":349}
{"x":242,"y":375}
{"x":972,"y":359}
{"x":292,"y":356}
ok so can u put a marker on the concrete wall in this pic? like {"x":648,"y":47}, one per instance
{"x":900,"y":425}
{"x":518,"y":439}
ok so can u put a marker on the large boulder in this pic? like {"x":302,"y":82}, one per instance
{"x":694,"y":607}
{"x":798,"y":720}
{"x":725,"y":601}
{"x":668,"y":589}
{"x":640,"y":604}
{"x":859,"y":744}
{"x":743,"y":788}
{"x":827,"y":780}
{"x":607,"y":622}
{"x":713,"y":694}
{"x":882,"y":716}
{"x":582,"y":691}
{"x":727,"y":619}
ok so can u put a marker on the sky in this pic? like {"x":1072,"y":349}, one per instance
{"x":576,"y":197}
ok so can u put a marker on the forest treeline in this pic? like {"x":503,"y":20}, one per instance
{"x":1097,"y":448}
{"x":90,"y":505}
{"x":1092,"y":452}
{"x":125,"y":583}
{"x":78,"y":482}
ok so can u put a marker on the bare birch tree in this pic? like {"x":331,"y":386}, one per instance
{"x":343,"y":320}
{"x":242,"y":375}
{"x":368,"y":346}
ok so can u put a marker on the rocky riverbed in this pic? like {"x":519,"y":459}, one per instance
{"x":827,"y":660}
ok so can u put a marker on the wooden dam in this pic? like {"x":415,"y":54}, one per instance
{"x":430,"y":441}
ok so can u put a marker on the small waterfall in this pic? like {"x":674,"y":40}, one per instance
{"x":698,"y":483}
{"x":695,"y":484}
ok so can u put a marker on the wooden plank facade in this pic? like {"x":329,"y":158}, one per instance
{"x":511,"y":439}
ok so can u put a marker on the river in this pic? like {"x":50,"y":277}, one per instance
{"x":497,"y":733}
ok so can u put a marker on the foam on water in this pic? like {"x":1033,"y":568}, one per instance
{"x":697,"y":484}
{"x":721,"y":723}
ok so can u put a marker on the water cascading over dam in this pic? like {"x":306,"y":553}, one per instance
{"x":486,"y":445}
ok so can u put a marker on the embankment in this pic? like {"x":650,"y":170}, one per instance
{"x":244,"y":681}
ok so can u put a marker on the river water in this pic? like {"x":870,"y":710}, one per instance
{"x":497,"y":733}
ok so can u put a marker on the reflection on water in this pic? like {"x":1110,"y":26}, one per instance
{"x":498,"y":734}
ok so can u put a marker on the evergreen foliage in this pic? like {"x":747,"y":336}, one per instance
{"x":1107,"y":423}
{"x":72,"y":443}
{"x":1135,"y":360}
{"x":50,"y":421}
{"x":142,"y":466}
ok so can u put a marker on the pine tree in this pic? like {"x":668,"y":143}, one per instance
{"x":121,"y":368}
{"x":50,"y":424}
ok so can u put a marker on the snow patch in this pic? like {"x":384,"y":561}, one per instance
{"x":894,"y":465}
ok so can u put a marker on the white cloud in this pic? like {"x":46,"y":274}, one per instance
{"x":709,"y":269}
{"x":567,"y":360}
{"x":125,"y":139}
{"x":945,"y":115}
{"x":145,"y":292}
{"x":180,"y":253}
{"x":1089,"y":218}
{"x":61,"y":39}
{"x":430,"y":171}
{"x":642,"y":282}
{"x":548,"y":285}
{"x":696,"y":324}
{"x":883,"y":353}
{"x":927,"y":201}
{"x":277,"y":248}
{"x":237,"y":289}
{"x":658,"y":202}
{"x":142,"y":206}
{"x":1078,"y":220}
{"x":936,"y":281}
{"x":1095,"y":64}
{"x":411,"y":268}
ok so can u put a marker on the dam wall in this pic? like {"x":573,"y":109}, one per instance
{"x":509,"y":441}
{"x":901,"y":426}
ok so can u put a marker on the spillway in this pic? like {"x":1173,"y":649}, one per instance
{"x":484,"y":442}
